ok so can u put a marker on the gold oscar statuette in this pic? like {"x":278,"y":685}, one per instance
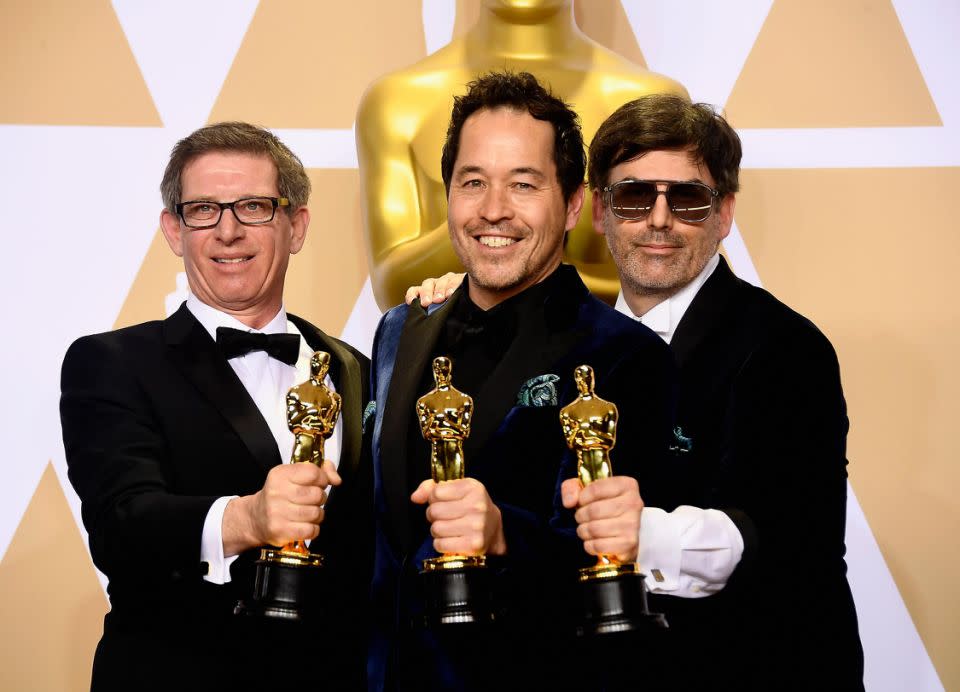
{"x":613,"y":592}
{"x":286,"y":577}
{"x":456,"y":586}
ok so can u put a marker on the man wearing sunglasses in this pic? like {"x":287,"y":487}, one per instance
{"x":175,"y":431}
{"x":756,"y":550}
{"x":749,"y":569}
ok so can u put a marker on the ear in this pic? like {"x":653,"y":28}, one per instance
{"x":599,"y":210}
{"x":172,"y":231}
{"x":299,"y":221}
{"x":725,"y":215}
{"x":574,"y":206}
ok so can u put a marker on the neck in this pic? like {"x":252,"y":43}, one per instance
{"x":525,"y":33}
{"x":254,"y":318}
{"x":486,"y":298}
{"x":641,"y":303}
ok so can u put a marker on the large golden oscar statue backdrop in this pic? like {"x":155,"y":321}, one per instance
{"x":850,"y":118}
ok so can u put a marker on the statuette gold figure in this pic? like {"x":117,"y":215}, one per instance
{"x":612,"y":593}
{"x":312,"y":411}
{"x":456,"y":586}
{"x":445,"y":414}
{"x":288,"y":580}
{"x":590,"y":428}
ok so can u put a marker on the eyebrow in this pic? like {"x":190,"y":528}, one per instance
{"x":522,"y":170}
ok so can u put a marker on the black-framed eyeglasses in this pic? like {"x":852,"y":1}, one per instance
{"x":250,"y":211}
{"x":691,"y":202}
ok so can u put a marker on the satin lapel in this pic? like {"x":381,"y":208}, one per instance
{"x":420,"y":333}
{"x":705,"y":313}
{"x":346,"y":376}
{"x":197,"y":356}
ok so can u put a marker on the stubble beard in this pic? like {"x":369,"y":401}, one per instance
{"x":656,"y":275}
{"x":493,"y":275}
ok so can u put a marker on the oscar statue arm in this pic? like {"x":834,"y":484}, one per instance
{"x":404,"y":243}
{"x":335,"y":409}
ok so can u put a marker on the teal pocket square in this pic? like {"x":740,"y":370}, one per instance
{"x":681,"y":443}
{"x":368,"y":412}
{"x":539,"y":391}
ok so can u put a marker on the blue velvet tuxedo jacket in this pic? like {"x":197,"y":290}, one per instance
{"x":523,"y":459}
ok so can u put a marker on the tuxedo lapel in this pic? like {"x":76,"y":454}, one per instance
{"x":705,"y":313}
{"x":539,"y":345}
{"x":195,"y":353}
{"x":420,"y":333}
{"x":346,"y":376}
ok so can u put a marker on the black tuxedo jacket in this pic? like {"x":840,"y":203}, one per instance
{"x":156,"y":427}
{"x":762,"y":435}
{"x":517,"y":450}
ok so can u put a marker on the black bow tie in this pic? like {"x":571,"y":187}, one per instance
{"x":236,"y":342}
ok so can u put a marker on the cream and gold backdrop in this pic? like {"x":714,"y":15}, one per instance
{"x":849,"y":112}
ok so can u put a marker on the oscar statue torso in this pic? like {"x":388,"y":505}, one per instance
{"x":445,"y":415}
{"x":312,"y":411}
{"x":590,"y":428}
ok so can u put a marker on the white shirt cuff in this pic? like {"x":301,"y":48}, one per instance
{"x":689,"y":552}
{"x":211,"y":544}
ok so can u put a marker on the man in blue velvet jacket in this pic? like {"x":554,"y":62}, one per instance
{"x":513,"y":166}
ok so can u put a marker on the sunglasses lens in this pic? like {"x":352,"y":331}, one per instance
{"x":688,"y":202}
{"x":633,"y":199}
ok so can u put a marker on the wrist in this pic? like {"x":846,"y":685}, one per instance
{"x":498,"y":544}
{"x":237,"y":531}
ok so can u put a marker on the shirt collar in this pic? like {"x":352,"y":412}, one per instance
{"x":211,"y":318}
{"x":664,"y":317}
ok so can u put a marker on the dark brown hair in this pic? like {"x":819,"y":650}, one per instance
{"x":667,"y":122}
{"x":522,"y":92}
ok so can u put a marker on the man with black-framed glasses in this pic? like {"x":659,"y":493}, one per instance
{"x":175,"y":432}
{"x":756,"y":552}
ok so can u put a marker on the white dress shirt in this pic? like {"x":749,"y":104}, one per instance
{"x":689,"y":552}
{"x":267,"y":380}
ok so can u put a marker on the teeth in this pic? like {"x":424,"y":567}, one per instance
{"x":235,"y":260}
{"x":495,"y":241}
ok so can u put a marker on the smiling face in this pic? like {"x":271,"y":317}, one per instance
{"x":658,"y":255}
{"x":506,"y":213}
{"x":235,"y":268}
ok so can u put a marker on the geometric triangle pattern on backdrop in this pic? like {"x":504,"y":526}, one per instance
{"x":888,"y":311}
{"x":53,"y":599}
{"x":305,"y":64}
{"x":325,"y":277}
{"x":155,"y":280}
{"x":826,"y":64}
{"x":91,"y":78}
{"x":606,"y":23}
{"x":877,"y":277}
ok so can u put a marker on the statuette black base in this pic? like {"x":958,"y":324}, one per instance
{"x":457,"y":591}
{"x":614,"y":599}
{"x":287,"y":586}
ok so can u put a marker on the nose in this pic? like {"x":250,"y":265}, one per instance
{"x":495,"y":205}
{"x":229,"y":229}
{"x":660,"y":215}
